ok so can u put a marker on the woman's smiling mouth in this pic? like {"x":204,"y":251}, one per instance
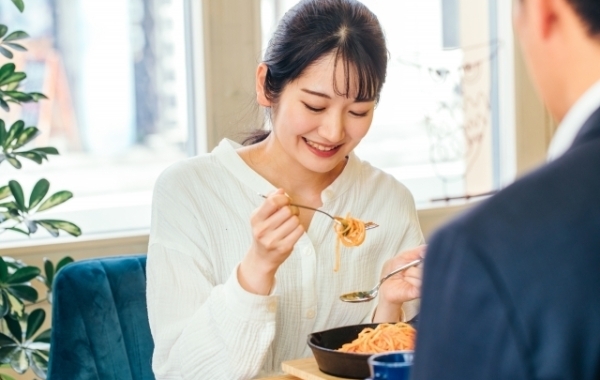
{"x":321,"y":150}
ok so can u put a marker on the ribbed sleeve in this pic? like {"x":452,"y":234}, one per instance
{"x":205,"y":328}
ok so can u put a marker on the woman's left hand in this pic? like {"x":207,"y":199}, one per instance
{"x":401,"y":287}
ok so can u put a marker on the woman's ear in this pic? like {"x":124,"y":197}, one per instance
{"x":261,"y":76}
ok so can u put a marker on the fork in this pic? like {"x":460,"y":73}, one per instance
{"x":368,"y":225}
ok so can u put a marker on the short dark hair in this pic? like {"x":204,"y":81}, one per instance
{"x":314,"y":28}
{"x":589,"y":12}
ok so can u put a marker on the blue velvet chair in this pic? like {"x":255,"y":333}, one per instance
{"x":100,"y":321}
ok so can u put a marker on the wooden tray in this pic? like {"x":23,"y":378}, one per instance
{"x":307,"y":369}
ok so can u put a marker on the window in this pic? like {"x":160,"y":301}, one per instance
{"x":115,"y":74}
{"x":436,"y":127}
{"x":166,"y":79}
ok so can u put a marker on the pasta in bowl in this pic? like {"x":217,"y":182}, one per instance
{"x":344,"y":351}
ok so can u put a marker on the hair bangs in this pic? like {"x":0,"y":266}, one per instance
{"x":368,"y":82}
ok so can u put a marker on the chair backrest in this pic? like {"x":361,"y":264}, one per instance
{"x":100,"y":327}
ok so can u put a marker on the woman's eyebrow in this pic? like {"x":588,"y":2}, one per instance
{"x":316,"y":93}
{"x":329,"y":97}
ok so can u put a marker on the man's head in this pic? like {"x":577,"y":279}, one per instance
{"x":560,"y":40}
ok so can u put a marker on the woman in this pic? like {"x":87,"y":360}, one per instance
{"x":235,"y":281}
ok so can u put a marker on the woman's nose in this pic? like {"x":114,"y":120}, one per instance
{"x":332,"y":129}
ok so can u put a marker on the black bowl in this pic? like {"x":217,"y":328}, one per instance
{"x":325,"y":345}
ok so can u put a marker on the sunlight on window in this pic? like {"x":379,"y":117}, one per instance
{"x":114,"y":72}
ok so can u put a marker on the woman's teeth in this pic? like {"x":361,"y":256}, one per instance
{"x":321,"y":147}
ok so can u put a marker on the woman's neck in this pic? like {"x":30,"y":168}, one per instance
{"x":268,"y":159}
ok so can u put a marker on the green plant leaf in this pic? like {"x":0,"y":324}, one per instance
{"x":5,"y":340}
{"x":14,"y":132}
{"x":14,"y":46}
{"x":15,"y":328}
{"x":3,"y":271}
{"x":23,"y":275}
{"x":17,"y":192}
{"x":44,"y":336}
{"x":14,"y":77}
{"x":64,"y":262}
{"x":16,"y":35}
{"x":26,"y":136}
{"x":5,"y":52}
{"x":39,"y":192}
{"x":19,"y":96}
{"x":41,"y":155}
{"x":11,"y":87}
{"x":19,"y":4}
{"x":55,"y":199}
{"x":7,"y":70}
{"x":39,"y":364}
{"x":35,"y":157}
{"x":3,"y":30}
{"x":4,"y":192}
{"x":49,"y":271}
{"x":16,"y":306}
{"x":4,"y":105}
{"x":3,"y":132}
{"x":4,"y":303}
{"x":24,"y":292}
{"x":14,"y":162}
{"x":49,"y":227}
{"x":47,"y":150}
{"x":19,"y":361}
{"x":9,"y":205}
{"x":18,"y":230}
{"x":68,"y":227}
{"x":34,"y":322}
{"x":36,"y":96}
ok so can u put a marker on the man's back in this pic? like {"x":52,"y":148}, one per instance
{"x":512,"y":289}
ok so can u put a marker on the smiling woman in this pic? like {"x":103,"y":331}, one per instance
{"x":215,"y":306}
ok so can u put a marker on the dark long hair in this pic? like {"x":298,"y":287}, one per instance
{"x":314,"y":28}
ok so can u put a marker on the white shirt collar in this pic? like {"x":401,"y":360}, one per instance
{"x":228,"y":156}
{"x":573,"y":121}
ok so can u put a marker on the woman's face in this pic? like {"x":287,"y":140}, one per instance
{"x":316,"y":126}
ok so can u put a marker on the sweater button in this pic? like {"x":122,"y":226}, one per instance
{"x":310,"y":314}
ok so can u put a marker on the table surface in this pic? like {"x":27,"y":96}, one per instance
{"x":302,"y":369}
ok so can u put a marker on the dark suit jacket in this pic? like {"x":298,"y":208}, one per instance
{"x":511,"y":290}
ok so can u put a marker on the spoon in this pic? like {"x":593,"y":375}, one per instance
{"x":370,"y":294}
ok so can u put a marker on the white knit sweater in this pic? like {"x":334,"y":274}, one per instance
{"x":204,"y":325}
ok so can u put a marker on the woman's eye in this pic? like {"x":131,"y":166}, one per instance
{"x":314,"y":109}
{"x":359,"y":114}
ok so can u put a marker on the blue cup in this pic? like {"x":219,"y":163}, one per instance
{"x":393,"y":365}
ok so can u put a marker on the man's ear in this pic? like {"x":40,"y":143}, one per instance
{"x":548,"y":15}
{"x":261,"y":76}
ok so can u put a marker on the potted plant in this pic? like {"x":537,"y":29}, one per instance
{"x":21,"y":346}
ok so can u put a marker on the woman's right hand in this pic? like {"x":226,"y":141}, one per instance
{"x":275,"y":230}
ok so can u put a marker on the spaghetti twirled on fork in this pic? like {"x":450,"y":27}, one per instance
{"x":350,"y":232}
